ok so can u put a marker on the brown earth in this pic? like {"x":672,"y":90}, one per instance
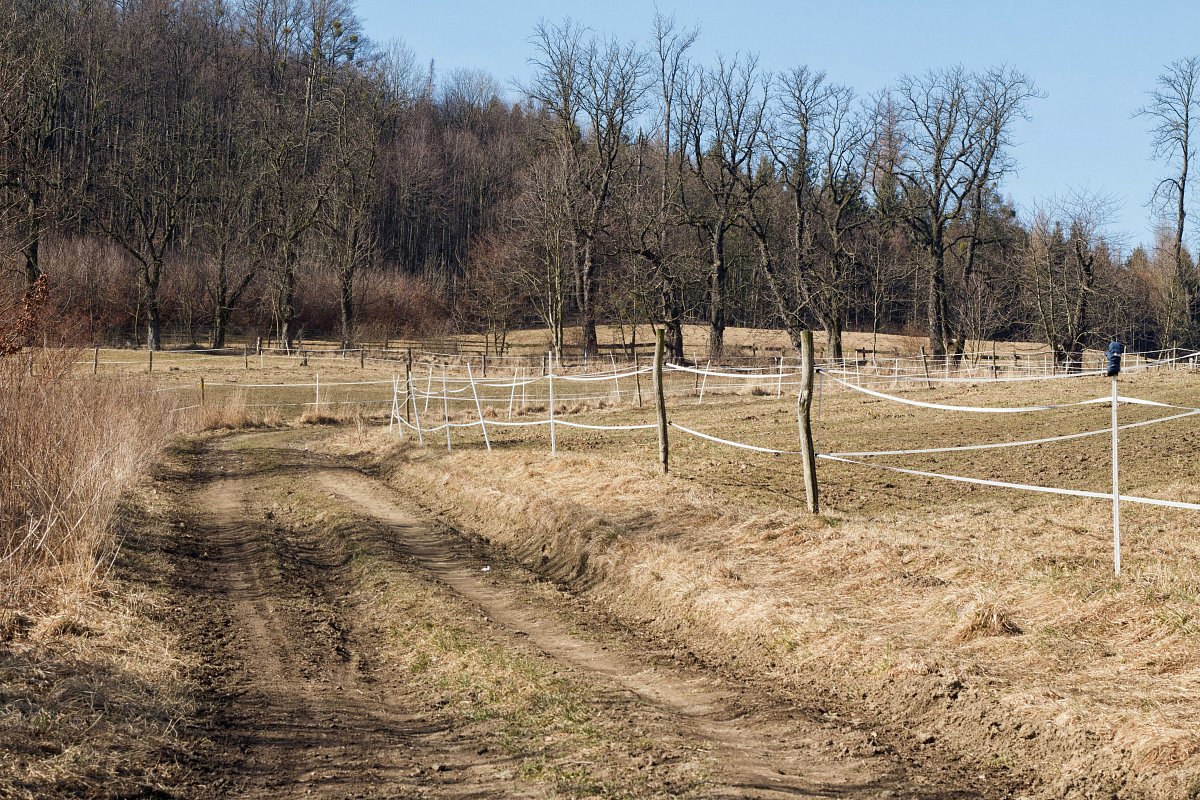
{"x":348,"y":646}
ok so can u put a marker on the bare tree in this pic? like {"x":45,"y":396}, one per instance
{"x":722,"y":115}
{"x":542,"y":222}
{"x":1172,"y":111}
{"x":49,"y":93}
{"x":955,"y":126}
{"x":353,"y":185}
{"x":818,"y":142}
{"x":1059,"y":271}
{"x":660,"y":219}
{"x":155,"y":162}
{"x":592,"y":90}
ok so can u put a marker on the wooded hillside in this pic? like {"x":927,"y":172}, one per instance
{"x":195,"y":168}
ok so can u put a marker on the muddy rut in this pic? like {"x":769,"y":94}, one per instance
{"x":308,"y":699}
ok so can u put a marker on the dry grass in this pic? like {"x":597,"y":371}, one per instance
{"x":94,"y":697}
{"x":321,"y":416}
{"x":990,"y":615}
{"x":69,"y":446}
{"x":93,"y":687}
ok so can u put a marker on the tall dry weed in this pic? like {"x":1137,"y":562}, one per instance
{"x":70,"y":444}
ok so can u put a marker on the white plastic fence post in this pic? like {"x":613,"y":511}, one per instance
{"x":616,"y":380}
{"x":512,"y":395}
{"x":479,"y":409}
{"x":446,"y":408}
{"x":416,"y":416}
{"x":704,"y":382}
{"x":428,"y":387}
{"x":317,"y":404}
{"x":820,"y":391}
{"x":1116,"y":492}
{"x":523,"y":383}
{"x":550,"y":377}
{"x":395,"y":404}
{"x":779,"y":385}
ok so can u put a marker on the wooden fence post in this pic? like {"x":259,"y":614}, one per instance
{"x":925,"y":364}
{"x":808,"y":457}
{"x":151,"y":361}
{"x":95,"y":360}
{"x":660,"y":400}
{"x":246,"y":356}
{"x":202,"y":391}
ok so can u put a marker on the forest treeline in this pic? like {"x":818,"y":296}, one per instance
{"x":197,"y":168}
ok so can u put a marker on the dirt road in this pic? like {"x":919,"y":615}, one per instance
{"x":354,"y":649}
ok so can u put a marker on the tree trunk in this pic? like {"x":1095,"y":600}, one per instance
{"x":287,"y":303}
{"x":587,"y":311}
{"x":153,"y":320}
{"x":347,"y":291}
{"x":833,"y":334}
{"x":939,"y":331}
{"x":716,"y":333}
{"x":220,"y":325}
{"x":675,"y":324}
{"x":33,"y":268}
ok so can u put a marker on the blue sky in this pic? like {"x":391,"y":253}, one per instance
{"x":1095,"y":61}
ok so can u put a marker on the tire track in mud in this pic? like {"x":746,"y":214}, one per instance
{"x":302,"y":713}
{"x":308,"y":709}
{"x":763,"y":749}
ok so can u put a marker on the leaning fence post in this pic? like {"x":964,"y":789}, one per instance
{"x":704,"y":383}
{"x":660,"y":400}
{"x":416,"y":416}
{"x":428,"y":388}
{"x":512,"y":394}
{"x":394,"y":418}
{"x":478,"y":408}
{"x":808,"y":456}
{"x":925,"y":364}
{"x":446,"y":407}
{"x":550,"y":377}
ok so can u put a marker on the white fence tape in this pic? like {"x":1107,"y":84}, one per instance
{"x":1028,"y":487}
{"x":773,"y":376}
{"x":731,"y":443}
{"x":996,"y":445}
{"x":971,"y":409}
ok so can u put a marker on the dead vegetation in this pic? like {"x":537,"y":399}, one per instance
{"x":91,"y":688}
{"x":989,"y":615}
{"x":69,"y":447}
